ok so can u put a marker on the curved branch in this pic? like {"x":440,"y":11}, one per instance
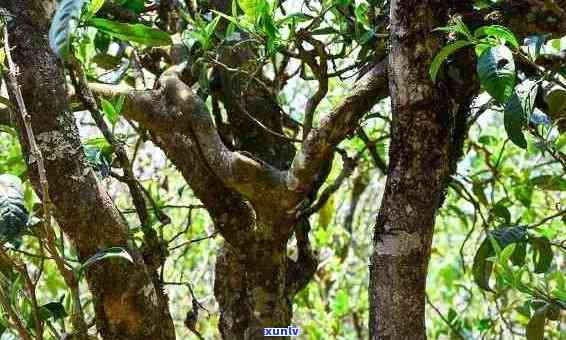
{"x":318,"y":148}
{"x":175,"y":109}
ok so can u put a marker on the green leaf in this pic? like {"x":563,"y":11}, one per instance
{"x":501,"y":237}
{"x":341,"y":303}
{"x":482,"y":267}
{"x":458,"y":26}
{"x":13,"y":214}
{"x":54,"y":310}
{"x":518,"y":111}
{"x":542,"y":254}
{"x":496,"y":70}
{"x":443,"y":54}
{"x":509,"y":234}
{"x":109,"y":111}
{"x":92,"y":8}
{"x":520,"y":253}
{"x":549,"y":182}
{"x":253,"y":9}
{"x":535,"y":327}
{"x":109,"y":253}
{"x":63,"y":26}
{"x":499,"y":32}
{"x":480,"y":47}
{"x":99,"y":155}
{"x":555,"y":98}
{"x":138,"y":33}
{"x":501,"y":211}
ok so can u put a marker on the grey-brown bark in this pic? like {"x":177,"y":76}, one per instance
{"x":239,"y":187}
{"x":428,"y":129}
{"x":128,"y":303}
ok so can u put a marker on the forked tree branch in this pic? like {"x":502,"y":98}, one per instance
{"x":318,"y":148}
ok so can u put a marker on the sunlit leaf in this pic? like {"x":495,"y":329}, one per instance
{"x":496,"y":70}
{"x":13,"y":214}
{"x":499,"y":32}
{"x":443,"y":54}
{"x":542,"y":254}
{"x":518,"y":112}
{"x":138,"y":33}
{"x":63,"y":26}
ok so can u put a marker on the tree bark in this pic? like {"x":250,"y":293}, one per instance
{"x":129,"y":302}
{"x":428,"y":129}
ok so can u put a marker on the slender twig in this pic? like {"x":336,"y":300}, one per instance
{"x":546,"y":219}
{"x":370,"y":145}
{"x":448,"y":323}
{"x":36,"y":156}
{"x":19,"y":325}
{"x":38,"y":256}
{"x":348,"y":166}
{"x":194,"y":241}
{"x":89,"y":102}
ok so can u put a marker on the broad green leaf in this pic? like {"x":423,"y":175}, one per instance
{"x":138,"y":33}
{"x":549,"y":182}
{"x":496,"y":70}
{"x":506,"y":255}
{"x":480,"y":47}
{"x":501,"y":211}
{"x":253,"y":9}
{"x":109,"y":253}
{"x":519,"y":255}
{"x":555,"y":98}
{"x":524,"y":193}
{"x":443,"y":54}
{"x":63,"y":26}
{"x":99,"y":155}
{"x":542,"y":254}
{"x":501,"y":237}
{"x":482,"y":267}
{"x":518,"y":111}
{"x":499,"y":32}
{"x":92,"y":8}
{"x":109,"y":111}
{"x":13,"y":214}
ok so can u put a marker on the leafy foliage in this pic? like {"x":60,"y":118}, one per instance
{"x":13,"y":214}
{"x":496,"y":70}
{"x":64,"y":23}
{"x":138,"y":33}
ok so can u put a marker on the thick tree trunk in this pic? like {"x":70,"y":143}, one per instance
{"x":251,"y":291}
{"x":428,"y":128}
{"x":129,"y":302}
